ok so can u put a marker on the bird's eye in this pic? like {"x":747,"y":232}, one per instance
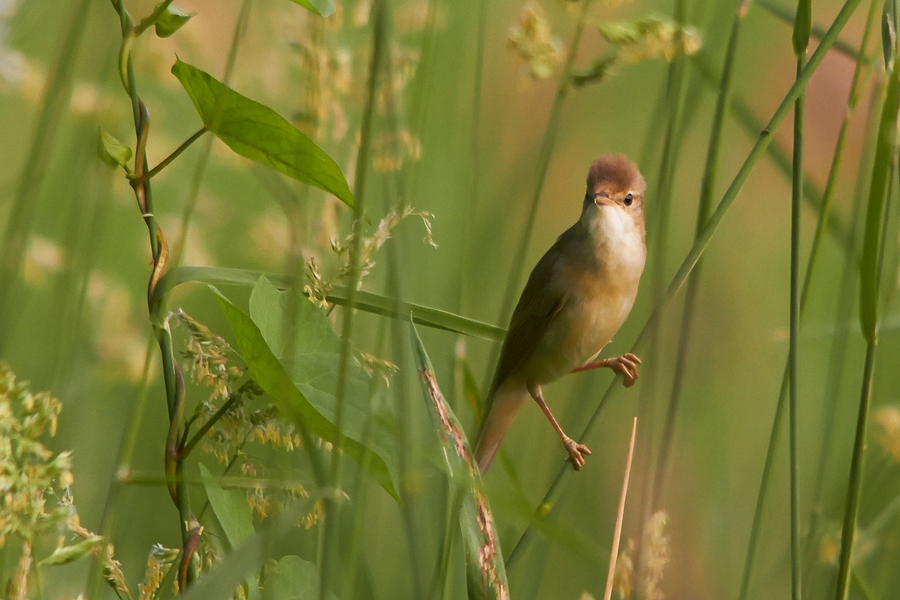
{"x":628,"y":200}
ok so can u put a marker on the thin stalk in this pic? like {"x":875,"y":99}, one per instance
{"x":123,"y":468}
{"x":195,"y":439}
{"x":870,"y":281}
{"x":793,"y":356}
{"x":472,"y":202}
{"x":836,"y":361}
{"x":620,"y":517}
{"x":745,"y":117}
{"x":658,"y":250}
{"x":699,"y":246}
{"x":546,"y":151}
{"x":28,"y":188}
{"x":824,"y":216}
{"x":802,"y":26}
{"x":151,"y":19}
{"x":707,"y":189}
{"x":138,"y":181}
{"x":380,"y":42}
{"x":856,"y":465}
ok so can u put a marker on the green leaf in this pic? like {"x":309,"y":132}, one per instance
{"x":884,"y":153}
{"x":259,"y":133}
{"x":292,"y":578}
{"x":68,"y":554}
{"x":306,"y":394}
{"x":324,"y":8}
{"x":171,"y":21}
{"x":230,"y":507}
{"x":485,"y":571}
{"x":112,"y":151}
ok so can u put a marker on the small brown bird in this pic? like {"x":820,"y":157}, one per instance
{"x":577,"y":297}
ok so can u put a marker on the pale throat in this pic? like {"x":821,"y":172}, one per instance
{"x":617,"y":239}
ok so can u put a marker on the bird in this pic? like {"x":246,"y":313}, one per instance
{"x":576,"y":299}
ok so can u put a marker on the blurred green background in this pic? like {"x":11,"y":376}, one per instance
{"x":74,"y":322}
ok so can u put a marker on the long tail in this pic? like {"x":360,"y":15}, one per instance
{"x":503,"y":405}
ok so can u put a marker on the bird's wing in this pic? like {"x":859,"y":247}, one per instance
{"x":540,"y":303}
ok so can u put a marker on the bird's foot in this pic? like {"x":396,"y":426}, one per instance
{"x":625,"y":364}
{"x":576,"y":451}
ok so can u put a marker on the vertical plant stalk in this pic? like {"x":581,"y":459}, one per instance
{"x":870,"y":274}
{"x":174,"y":383}
{"x":693,"y":255}
{"x":546,"y":151}
{"x":472,"y":200}
{"x":133,"y":425}
{"x":54,"y":107}
{"x":707,"y":189}
{"x":802,"y":26}
{"x":620,"y":517}
{"x":821,"y":226}
{"x":380,"y":41}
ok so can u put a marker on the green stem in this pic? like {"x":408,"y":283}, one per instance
{"x":138,"y":181}
{"x":856,"y":466}
{"x":28,"y":188}
{"x":699,"y":246}
{"x":195,"y":439}
{"x":823,"y":220}
{"x":793,"y":357}
{"x":380,"y":41}
{"x":151,"y":19}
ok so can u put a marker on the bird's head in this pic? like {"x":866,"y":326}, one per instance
{"x":614,"y":201}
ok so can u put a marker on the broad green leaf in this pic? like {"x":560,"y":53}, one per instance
{"x":292,"y":578}
{"x":230,"y":507}
{"x":68,"y":554}
{"x":171,"y":21}
{"x":259,"y":133}
{"x":222,"y":579}
{"x":315,"y":375}
{"x":313,"y":367}
{"x":112,"y":151}
{"x":324,"y":8}
{"x":485,"y":571}
{"x":884,"y":152}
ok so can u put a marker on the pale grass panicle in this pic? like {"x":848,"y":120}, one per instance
{"x":654,"y":558}
{"x":651,"y":38}
{"x":532,"y":39}
{"x":159,"y":561}
{"x":887,"y":418}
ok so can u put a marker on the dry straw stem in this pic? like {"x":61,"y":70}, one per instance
{"x":620,"y":516}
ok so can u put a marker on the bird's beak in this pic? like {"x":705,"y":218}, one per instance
{"x":601,"y":200}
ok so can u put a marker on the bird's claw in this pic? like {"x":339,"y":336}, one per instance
{"x":577,"y":452}
{"x":627,"y":366}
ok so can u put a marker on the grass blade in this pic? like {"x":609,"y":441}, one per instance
{"x":486,"y":573}
{"x":367,"y":301}
{"x":868,"y":313}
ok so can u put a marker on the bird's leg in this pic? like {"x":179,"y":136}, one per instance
{"x":625,"y":364}
{"x":576,"y":451}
